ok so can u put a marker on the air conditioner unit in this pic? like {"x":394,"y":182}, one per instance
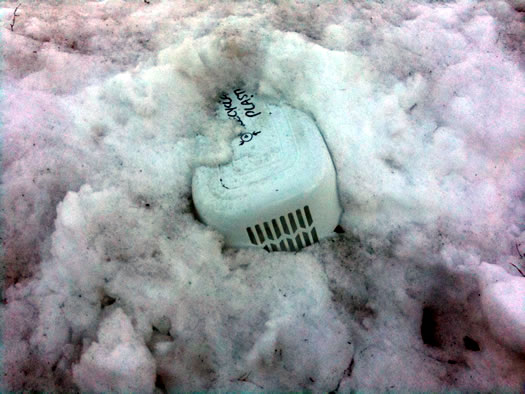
{"x":279,"y":192}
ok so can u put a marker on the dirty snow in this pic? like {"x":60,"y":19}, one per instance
{"x":112,"y":284}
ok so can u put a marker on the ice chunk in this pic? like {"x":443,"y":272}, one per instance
{"x":503,"y":302}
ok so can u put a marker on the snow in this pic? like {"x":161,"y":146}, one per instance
{"x":111,"y":282}
{"x":503,"y":300}
{"x":119,"y":362}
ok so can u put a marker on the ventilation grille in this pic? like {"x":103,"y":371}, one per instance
{"x":290,"y":232}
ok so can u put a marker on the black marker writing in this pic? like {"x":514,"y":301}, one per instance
{"x":240,"y":121}
{"x":251,"y":114}
{"x":231,"y":111}
{"x":247,"y":137}
{"x":223,"y":185}
{"x":245,"y":101}
{"x":239,"y":92}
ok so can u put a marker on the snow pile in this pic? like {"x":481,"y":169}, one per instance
{"x":112,"y":284}
{"x":119,"y":362}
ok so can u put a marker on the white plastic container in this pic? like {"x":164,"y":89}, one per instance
{"x":279,"y":192}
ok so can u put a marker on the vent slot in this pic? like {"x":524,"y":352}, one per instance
{"x":314,"y":235}
{"x":308,"y":216}
{"x":307,"y":239}
{"x":259,"y":233}
{"x":268,"y":231}
{"x":291,"y":245}
{"x":292,"y":222}
{"x":290,"y":232}
{"x":285,"y":225}
{"x":300,"y":217}
{"x":251,"y":235}
{"x":298,"y":241}
{"x":276,"y":229}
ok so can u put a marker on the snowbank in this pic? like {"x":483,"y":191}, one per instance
{"x":108,"y":106}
